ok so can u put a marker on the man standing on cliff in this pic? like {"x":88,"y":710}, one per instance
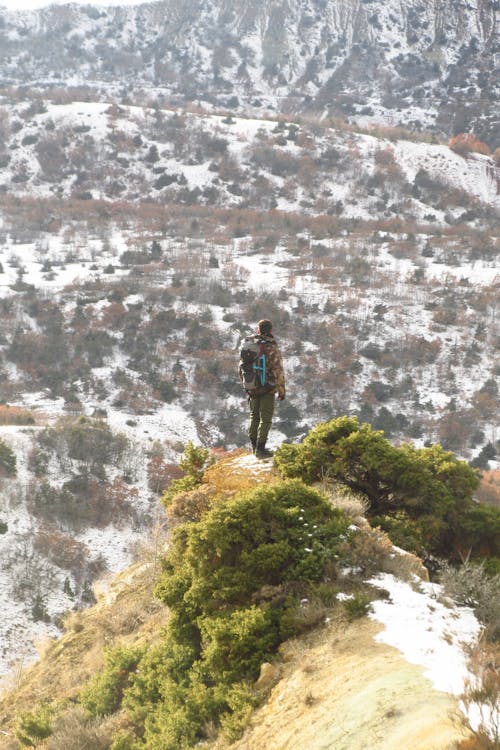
{"x":262,"y":378}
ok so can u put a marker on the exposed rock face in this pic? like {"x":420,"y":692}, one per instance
{"x":414,"y":63}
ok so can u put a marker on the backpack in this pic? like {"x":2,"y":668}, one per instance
{"x":253,"y":368}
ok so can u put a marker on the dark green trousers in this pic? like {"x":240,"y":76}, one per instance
{"x":261,"y":415}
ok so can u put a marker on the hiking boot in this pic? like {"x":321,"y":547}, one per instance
{"x":254,"y":445}
{"x":262,"y":452}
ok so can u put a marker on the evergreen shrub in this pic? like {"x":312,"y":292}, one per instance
{"x":357,"y":606}
{"x":8,"y":460}
{"x":421,"y":496}
{"x":233,"y":581}
{"x":103,"y":695}
{"x":34,"y":726}
{"x":195,"y":460}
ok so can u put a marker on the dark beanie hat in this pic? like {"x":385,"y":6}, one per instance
{"x":264,"y":326}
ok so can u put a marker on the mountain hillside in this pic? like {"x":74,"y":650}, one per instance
{"x":417,"y":63}
{"x":170,"y":173}
{"x":347,"y":683}
{"x":96,"y":150}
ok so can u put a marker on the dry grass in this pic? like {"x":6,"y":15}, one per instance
{"x":15,"y":415}
{"x":127,"y":614}
{"x":240,"y":470}
{"x":481,"y":695}
{"x":354,"y":504}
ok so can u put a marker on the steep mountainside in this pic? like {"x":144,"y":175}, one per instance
{"x":344,"y":684}
{"x":418,"y":63}
{"x":173,"y":171}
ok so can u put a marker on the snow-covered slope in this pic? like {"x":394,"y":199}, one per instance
{"x":415,"y":63}
{"x":88,"y":150}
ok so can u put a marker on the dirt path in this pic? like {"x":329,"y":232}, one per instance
{"x":348,"y":692}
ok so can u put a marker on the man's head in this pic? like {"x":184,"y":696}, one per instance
{"x":264,"y":327}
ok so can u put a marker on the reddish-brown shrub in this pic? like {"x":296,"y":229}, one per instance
{"x":162,"y":474}
{"x":15,"y":415}
{"x":466,"y":143}
{"x":62,"y":550}
{"x":489,"y":489}
{"x":190,"y":506}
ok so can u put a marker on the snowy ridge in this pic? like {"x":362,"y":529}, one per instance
{"x":412,"y":63}
{"x":94,"y":150}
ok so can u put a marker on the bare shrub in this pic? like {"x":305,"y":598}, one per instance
{"x":481,"y":696}
{"x":489,"y":489}
{"x":32,"y":575}
{"x":15,"y":415}
{"x":405,"y":565}
{"x":310,"y":613}
{"x":161,"y":474}
{"x":62,"y":550}
{"x":466,"y":143}
{"x":75,"y":730}
{"x":471,"y":586}
{"x":368,"y":551}
{"x":190,"y":506}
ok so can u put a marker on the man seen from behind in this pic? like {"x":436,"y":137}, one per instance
{"x":261,"y":397}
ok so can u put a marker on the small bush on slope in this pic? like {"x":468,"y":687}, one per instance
{"x":7,"y":461}
{"x":471,"y":586}
{"x":423,"y":497}
{"x":104,"y":694}
{"x":231,"y":581}
{"x":193,"y":463}
{"x":34,"y":726}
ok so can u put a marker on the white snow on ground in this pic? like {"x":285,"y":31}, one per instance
{"x":170,"y":422}
{"x":473,"y":174}
{"x":33,"y":4}
{"x":426,"y":631}
{"x":432,"y":634}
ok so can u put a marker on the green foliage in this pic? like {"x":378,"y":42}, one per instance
{"x":123,"y":741}
{"x":7,"y":460}
{"x":481,"y":529}
{"x":104,"y":694}
{"x":267,"y":536}
{"x":403,"y":531}
{"x":35,"y":726}
{"x":231,"y":581}
{"x":357,"y":606}
{"x":241,"y":701}
{"x":235,"y":642}
{"x":423,"y":495}
{"x":195,"y":460}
